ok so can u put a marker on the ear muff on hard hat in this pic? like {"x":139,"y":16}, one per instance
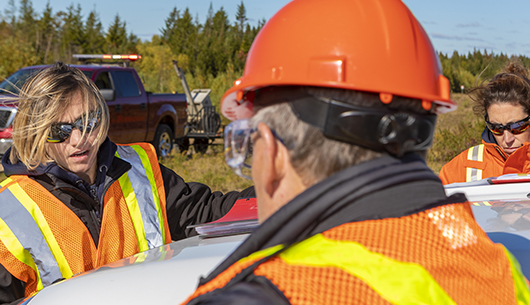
{"x":373,"y":46}
{"x":377,"y":128}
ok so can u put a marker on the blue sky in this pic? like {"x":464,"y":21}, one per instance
{"x":495,"y":25}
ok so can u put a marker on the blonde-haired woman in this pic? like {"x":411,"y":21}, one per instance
{"x":73,"y":200}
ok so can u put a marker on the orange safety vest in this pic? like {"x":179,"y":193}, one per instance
{"x":438,"y":256}
{"x":484,"y":161}
{"x":43,"y":241}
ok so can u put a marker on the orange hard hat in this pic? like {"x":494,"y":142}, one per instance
{"x":374,"y":46}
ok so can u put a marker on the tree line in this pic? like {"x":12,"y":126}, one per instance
{"x":212,"y":53}
{"x":469,"y":70}
{"x":208,"y":52}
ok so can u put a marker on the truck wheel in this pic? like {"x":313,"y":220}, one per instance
{"x":163,"y":141}
{"x":200,"y":145}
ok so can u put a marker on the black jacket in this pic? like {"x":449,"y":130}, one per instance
{"x":186,"y":203}
{"x":382,"y":188}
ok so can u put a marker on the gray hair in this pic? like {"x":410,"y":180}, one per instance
{"x":314,"y":156}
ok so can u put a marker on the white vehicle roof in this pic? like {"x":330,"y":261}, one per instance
{"x":164,"y":275}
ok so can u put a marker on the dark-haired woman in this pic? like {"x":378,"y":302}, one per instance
{"x":504,"y":102}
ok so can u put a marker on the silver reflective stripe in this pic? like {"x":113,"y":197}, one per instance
{"x":473,"y":174}
{"x":28,"y":233}
{"x":475,"y":153}
{"x":144,"y":196}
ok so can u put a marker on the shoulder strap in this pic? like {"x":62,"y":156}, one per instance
{"x":141,"y":192}
{"x":27,"y":234}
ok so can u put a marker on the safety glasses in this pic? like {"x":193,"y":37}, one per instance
{"x":238,"y":147}
{"x":60,"y":132}
{"x":515,"y":128}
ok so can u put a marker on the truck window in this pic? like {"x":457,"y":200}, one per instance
{"x":16,"y":80}
{"x":103,"y":81}
{"x":126,"y":85}
{"x":88,"y":74}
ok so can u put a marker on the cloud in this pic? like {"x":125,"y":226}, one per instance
{"x":481,"y":47}
{"x":511,"y":45}
{"x":455,"y":37}
{"x":469,"y":25}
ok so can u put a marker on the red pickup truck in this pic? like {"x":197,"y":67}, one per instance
{"x":135,"y":115}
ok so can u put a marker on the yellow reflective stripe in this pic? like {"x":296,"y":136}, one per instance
{"x":149,"y":172}
{"x":5,"y":182}
{"x":475,"y":153}
{"x":262,"y":253}
{"x":469,"y":173}
{"x":473,"y":174}
{"x":470,"y":153}
{"x":522,"y":292}
{"x":37,"y":215}
{"x":13,"y":245}
{"x":480,"y":156}
{"x":134,"y":210}
{"x":140,"y":257}
{"x":384,"y":275}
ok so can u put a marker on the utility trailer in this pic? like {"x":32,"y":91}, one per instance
{"x":204,"y":123}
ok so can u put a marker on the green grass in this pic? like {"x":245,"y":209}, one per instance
{"x":455,"y":132}
{"x":209,"y":168}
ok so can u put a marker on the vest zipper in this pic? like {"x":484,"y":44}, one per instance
{"x":92,"y":211}
{"x":94,"y":194}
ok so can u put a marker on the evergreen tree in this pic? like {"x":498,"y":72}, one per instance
{"x":116,"y":37}
{"x":72,"y":33}
{"x":10,"y":13}
{"x":168,"y":32}
{"x":94,"y":40}
{"x":241,"y":17}
{"x":47,"y":32}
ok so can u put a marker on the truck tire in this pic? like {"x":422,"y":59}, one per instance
{"x":200,"y":145}
{"x":163,"y":141}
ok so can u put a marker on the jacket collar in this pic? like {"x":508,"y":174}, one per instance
{"x":487,"y":136}
{"x":105,"y":161}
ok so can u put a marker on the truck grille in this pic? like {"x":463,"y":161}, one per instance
{"x":6,"y":116}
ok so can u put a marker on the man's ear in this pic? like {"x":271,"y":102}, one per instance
{"x":273,"y":158}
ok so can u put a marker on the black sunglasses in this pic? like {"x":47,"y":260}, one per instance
{"x":515,"y":128}
{"x":60,"y":132}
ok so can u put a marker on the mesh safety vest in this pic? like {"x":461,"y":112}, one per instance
{"x":439,"y":256}
{"x":43,"y":241}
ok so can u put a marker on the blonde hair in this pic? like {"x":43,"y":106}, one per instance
{"x":42,"y":101}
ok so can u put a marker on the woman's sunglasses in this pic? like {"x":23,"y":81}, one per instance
{"x":60,"y":132}
{"x":515,"y":128}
